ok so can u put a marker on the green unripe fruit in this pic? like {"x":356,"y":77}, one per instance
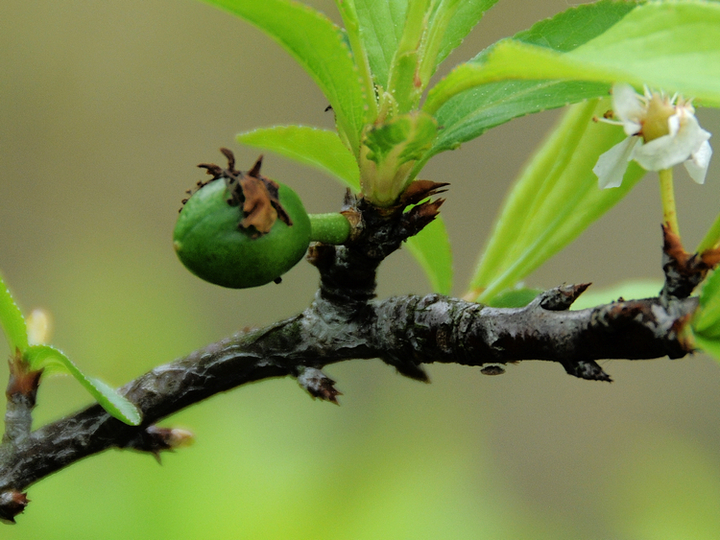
{"x":211,"y":244}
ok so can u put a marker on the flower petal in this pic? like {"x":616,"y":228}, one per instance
{"x":698,"y":163}
{"x":668,"y":150}
{"x":628,"y":107}
{"x":611,"y":166}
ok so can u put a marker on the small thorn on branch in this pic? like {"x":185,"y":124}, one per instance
{"x":586,"y":369}
{"x":492,"y":369}
{"x":12,"y":503}
{"x":408,"y":368}
{"x":561,"y":298}
{"x":155,"y":439}
{"x":317,"y":384}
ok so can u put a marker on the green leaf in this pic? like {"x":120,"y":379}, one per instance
{"x":706,"y":321}
{"x":470,"y":114}
{"x":53,"y":360}
{"x":404,"y":70}
{"x":568,"y":30}
{"x":389,"y":153}
{"x":318,"y":148}
{"x":466,"y":108}
{"x":450,"y":21}
{"x":671,"y":46}
{"x":12,"y":321}
{"x":116,"y":405}
{"x":349,"y":16}
{"x":431,"y":248}
{"x":462,"y":22}
{"x":381,"y":25}
{"x":319,"y":47}
{"x":562,"y":33}
{"x":442,"y":13}
{"x":555,"y":199}
{"x":382,"y":22}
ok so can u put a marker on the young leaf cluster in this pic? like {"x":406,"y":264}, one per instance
{"x":376,"y":73}
{"x":43,"y":358}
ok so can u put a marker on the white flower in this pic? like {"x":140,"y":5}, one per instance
{"x":661,"y":133}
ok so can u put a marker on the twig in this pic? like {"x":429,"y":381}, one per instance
{"x":343,"y":323}
{"x":403,"y":331}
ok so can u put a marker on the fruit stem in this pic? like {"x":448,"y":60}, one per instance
{"x":329,"y":228}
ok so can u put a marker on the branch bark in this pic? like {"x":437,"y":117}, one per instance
{"x":344,"y":323}
{"x":404,"y":331}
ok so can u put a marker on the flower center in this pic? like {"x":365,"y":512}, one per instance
{"x":655,"y":124}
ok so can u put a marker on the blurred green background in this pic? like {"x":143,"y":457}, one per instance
{"x":105,"y":109}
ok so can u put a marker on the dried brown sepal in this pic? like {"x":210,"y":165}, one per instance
{"x":255,"y":169}
{"x":561,"y":298}
{"x":214,"y":170}
{"x":318,"y":385}
{"x":257,"y":195}
{"x":231,"y":160}
{"x":12,"y":503}
{"x":257,"y":207}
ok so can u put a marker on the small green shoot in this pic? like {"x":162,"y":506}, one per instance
{"x":51,"y":360}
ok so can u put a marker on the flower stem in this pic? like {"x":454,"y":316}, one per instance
{"x":667,"y":195}
{"x":329,"y":228}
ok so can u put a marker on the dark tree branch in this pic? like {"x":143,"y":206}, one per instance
{"x":403,"y":331}
{"x":345,"y":323}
